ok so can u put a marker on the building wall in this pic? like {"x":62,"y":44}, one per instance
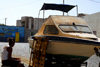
{"x":31,"y":25}
{"x":94,"y":22}
{"x":27,"y":22}
{"x":37,"y":24}
{"x":18,"y":23}
{"x":11,"y":31}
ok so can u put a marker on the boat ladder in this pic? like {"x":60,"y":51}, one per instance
{"x":38,"y":52}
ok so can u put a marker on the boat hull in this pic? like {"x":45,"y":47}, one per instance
{"x":68,"y":51}
{"x":71,"y":47}
{"x":65,"y":48}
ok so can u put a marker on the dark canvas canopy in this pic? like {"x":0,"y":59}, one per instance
{"x":60,"y":7}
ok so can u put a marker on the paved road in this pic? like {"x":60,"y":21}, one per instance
{"x":20,"y":50}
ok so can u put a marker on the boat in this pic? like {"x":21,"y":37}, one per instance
{"x":71,"y":40}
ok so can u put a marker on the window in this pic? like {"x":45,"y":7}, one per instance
{"x":75,"y":28}
{"x":50,"y":29}
{"x":95,"y":32}
{"x":23,"y":23}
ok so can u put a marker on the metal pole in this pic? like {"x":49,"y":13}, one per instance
{"x":38,"y":19}
{"x":43,"y":15}
{"x":77,"y":9}
{"x":63,"y":1}
{"x":63,"y":4}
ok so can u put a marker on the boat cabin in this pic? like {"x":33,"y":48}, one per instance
{"x":66,"y":26}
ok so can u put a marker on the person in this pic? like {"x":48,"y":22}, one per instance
{"x":94,"y":60}
{"x":7,"y":58}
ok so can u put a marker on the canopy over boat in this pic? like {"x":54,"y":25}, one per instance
{"x":60,"y":7}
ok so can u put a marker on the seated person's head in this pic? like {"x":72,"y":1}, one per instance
{"x":11,"y":42}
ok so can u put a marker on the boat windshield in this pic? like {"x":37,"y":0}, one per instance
{"x":75,"y":28}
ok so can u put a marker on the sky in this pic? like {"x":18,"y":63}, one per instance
{"x":14,"y":9}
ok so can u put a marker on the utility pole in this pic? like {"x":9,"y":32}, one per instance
{"x":5,"y":20}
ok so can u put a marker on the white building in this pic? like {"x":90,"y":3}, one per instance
{"x":94,"y":22}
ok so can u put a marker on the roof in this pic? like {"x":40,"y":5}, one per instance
{"x":60,"y":7}
{"x":65,"y":20}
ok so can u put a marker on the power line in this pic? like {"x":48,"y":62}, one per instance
{"x":95,"y":1}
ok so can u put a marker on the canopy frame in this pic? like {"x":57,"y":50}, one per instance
{"x":60,"y":7}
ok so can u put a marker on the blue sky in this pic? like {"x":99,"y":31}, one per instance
{"x":15,"y":9}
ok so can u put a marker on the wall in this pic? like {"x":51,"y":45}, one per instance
{"x":11,"y":31}
{"x":94,"y":22}
{"x":37,"y":24}
{"x":30,"y":24}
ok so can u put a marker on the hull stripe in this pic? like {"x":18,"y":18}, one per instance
{"x":73,"y":40}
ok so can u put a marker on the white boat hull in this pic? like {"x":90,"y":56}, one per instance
{"x":65,"y":48}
